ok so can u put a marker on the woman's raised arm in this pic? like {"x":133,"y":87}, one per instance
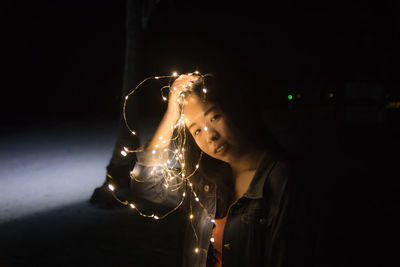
{"x":165,"y":129}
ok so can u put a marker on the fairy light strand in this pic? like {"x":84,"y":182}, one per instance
{"x":173,"y":170}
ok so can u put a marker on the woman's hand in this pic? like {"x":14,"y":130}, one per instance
{"x":165,"y":128}
{"x":180,"y":85}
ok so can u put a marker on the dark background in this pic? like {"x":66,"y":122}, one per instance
{"x":68,"y":57}
{"x":64,"y":61}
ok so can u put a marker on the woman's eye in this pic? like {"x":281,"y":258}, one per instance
{"x":197,"y":132}
{"x":214,"y":118}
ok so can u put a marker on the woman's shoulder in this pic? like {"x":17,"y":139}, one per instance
{"x":276,"y":164}
{"x":278,"y":170}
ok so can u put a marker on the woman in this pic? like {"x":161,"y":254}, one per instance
{"x":241,"y":181}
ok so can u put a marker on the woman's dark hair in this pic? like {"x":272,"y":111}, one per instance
{"x":242,"y":113}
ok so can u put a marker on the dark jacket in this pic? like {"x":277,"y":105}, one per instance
{"x":257,"y":228}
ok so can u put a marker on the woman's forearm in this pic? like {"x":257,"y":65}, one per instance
{"x":164,"y":131}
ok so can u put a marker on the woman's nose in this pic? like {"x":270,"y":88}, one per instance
{"x":212,"y":135}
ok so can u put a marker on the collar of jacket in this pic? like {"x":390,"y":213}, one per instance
{"x":255,"y":190}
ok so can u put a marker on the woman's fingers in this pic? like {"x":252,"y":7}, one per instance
{"x":179,"y":86}
{"x":183,"y":82}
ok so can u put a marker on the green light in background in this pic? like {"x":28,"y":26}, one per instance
{"x":290,"y":97}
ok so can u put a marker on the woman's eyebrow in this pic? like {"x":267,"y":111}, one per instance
{"x":191,"y":125}
{"x":209,"y":110}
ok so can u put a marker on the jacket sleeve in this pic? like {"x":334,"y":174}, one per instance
{"x":148,"y":180}
{"x":287,"y":243}
{"x":278,"y":198}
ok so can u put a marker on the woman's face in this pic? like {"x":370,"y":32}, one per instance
{"x":211,"y":129}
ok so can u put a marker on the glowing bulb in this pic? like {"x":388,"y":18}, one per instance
{"x":174,"y":88}
{"x":156,"y":78}
{"x":165,"y":185}
{"x":197,"y":199}
{"x":175,"y":74}
{"x":197,"y":166}
{"x":156,"y":146}
{"x":180,"y":155}
{"x":183,"y":164}
{"x":196,"y":250}
{"x":183,"y":149}
{"x":153,"y":152}
{"x":123,"y":153}
{"x":176,"y":150}
{"x":164,"y":98}
{"x":126,"y":97}
{"x":184,"y":194}
{"x":212,"y":220}
{"x":132,"y":206}
{"x":163,"y":141}
{"x":204,"y":90}
{"x":155,"y":217}
{"x":212,"y":239}
{"x":191,"y":216}
{"x":183,"y":175}
{"x":134,"y":133}
{"x":126,"y":149}
{"x":168,"y":161}
{"x":190,"y":184}
{"x":190,"y":83}
{"x":111,"y":187}
{"x":205,"y":128}
{"x":165,"y":150}
{"x":197,"y":72}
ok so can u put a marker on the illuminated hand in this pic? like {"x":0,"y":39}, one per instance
{"x":180,"y":86}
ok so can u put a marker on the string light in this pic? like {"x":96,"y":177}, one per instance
{"x":174,"y":167}
{"x":111,"y":187}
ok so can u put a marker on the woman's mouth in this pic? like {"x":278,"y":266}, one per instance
{"x":221,"y":148}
